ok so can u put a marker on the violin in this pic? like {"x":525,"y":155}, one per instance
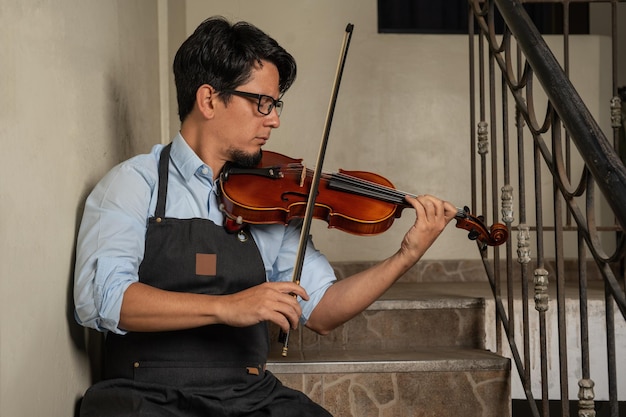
{"x":363,"y":203}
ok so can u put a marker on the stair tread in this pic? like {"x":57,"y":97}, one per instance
{"x":413,"y":296}
{"x":457,"y":293}
{"x":416,"y":360}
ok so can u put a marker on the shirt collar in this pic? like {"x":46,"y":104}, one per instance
{"x":185,"y":159}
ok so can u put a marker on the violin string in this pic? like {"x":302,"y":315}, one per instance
{"x":364,"y":187}
{"x":358,"y":185}
{"x":370,"y":188}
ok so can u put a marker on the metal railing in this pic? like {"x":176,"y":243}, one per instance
{"x":571,"y":234}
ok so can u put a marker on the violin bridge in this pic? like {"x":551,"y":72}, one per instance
{"x":302,"y":176}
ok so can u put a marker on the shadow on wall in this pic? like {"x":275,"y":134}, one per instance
{"x":119,"y":116}
{"x":87,"y":341}
{"x":119,"y":143}
{"x":119,"y":146}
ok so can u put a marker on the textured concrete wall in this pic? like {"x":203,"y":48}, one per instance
{"x":79,"y":92}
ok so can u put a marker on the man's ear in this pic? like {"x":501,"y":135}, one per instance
{"x":205,"y":100}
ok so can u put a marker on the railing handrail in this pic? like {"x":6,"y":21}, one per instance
{"x":602,"y":160}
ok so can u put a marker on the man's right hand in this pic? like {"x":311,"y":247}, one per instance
{"x":270,"y":301}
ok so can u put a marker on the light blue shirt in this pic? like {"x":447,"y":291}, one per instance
{"x":112,"y":234}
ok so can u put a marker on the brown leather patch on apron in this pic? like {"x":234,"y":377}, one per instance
{"x":206,"y":264}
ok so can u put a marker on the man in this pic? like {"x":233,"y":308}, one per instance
{"x":184,"y":303}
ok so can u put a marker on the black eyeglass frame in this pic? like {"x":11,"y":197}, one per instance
{"x":276,"y":104}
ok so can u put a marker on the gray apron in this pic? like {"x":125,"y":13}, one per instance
{"x":210,"y":371}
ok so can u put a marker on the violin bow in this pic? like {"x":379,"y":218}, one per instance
{"x":308,"y":215}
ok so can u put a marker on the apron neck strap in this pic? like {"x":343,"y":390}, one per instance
{"x":164,"y":162}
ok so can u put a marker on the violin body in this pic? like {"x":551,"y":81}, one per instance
{"x":277,"y":191}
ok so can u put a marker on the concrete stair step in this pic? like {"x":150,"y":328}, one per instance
{"x":420,"y":382}
{"x":408,"y":316}
{"x":357,"y":361}
{"x":417,"y":351}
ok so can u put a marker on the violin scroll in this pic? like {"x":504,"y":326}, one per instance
{"x":495,"y":235}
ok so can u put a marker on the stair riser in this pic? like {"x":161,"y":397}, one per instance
{"x":408,"y":394}
{"x":398,"y":329}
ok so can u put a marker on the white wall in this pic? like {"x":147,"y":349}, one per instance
{"x":78,"y":93}
{"x":600,"y":14}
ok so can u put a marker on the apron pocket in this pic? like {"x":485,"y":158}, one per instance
{"x":196,"y":374}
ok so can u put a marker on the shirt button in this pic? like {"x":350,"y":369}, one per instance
{"x":205,"y":170}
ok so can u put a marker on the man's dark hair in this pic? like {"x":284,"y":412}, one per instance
{"x":223,"y":56}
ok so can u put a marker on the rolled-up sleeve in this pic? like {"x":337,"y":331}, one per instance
{"x":110,"y":244}
{"x":279,"y":247}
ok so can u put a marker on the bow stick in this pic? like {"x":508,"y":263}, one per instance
{"x":308,"y":215}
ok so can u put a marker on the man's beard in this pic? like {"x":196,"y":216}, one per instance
{"x":245,"y":160}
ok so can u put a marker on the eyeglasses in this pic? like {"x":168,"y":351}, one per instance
{"x":265,"y":104}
